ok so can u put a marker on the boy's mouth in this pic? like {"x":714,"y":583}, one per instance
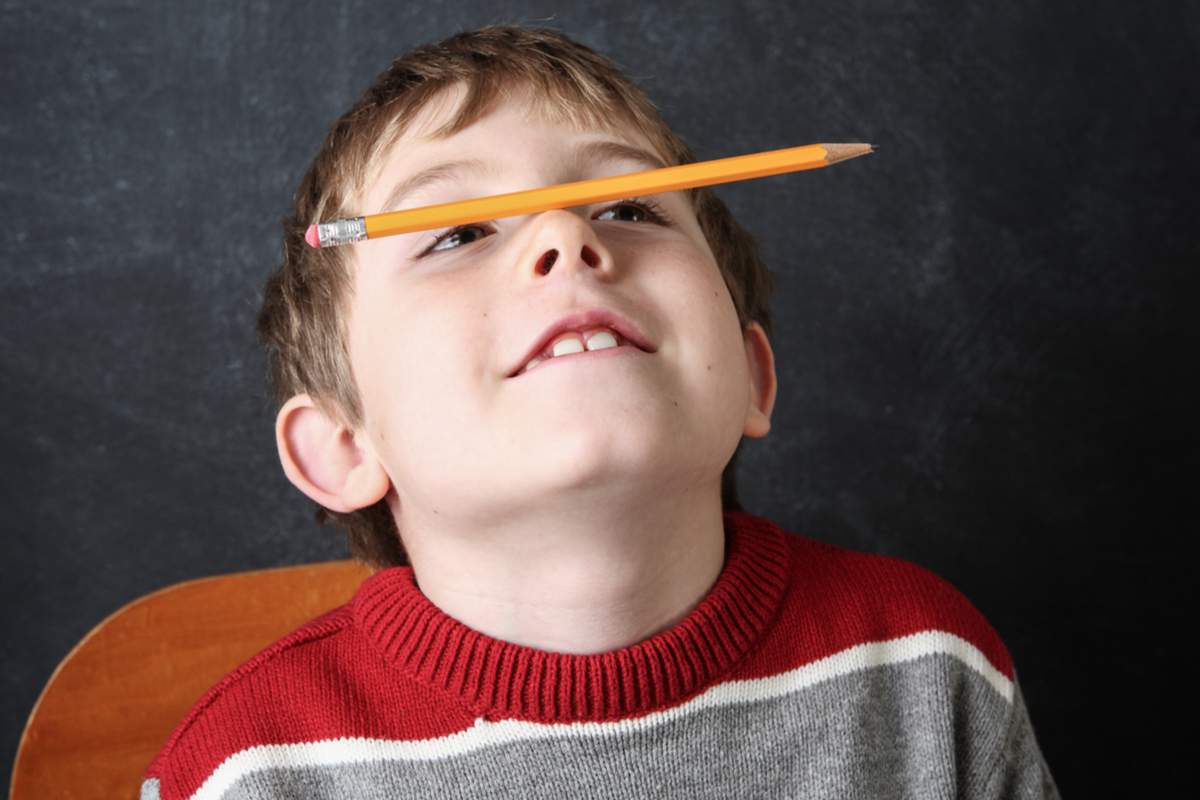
{"x":584,"y":331}
{"x":567,"y":344}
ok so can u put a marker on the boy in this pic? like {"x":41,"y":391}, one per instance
{"x":529,"y":425}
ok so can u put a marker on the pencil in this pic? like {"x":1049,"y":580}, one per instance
{"x":568,"y":195}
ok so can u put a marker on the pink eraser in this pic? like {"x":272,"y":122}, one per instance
{"x":311,"y":237}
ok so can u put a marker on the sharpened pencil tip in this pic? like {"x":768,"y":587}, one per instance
{"x":840,"y":152}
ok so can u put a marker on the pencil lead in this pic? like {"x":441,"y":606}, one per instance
{"x":840,"y":152}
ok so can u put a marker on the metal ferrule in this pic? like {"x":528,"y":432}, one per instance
{"x":341,"y":231}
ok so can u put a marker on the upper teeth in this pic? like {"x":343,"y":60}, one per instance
{"x":574,"y":342}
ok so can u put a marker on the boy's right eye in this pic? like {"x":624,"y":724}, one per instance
{"x":448,"y":235}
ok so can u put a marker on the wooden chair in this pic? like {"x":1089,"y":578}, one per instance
{"x":113,"y":701}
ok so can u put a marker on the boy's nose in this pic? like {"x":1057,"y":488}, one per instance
{"x":548,"y":259}
{"x":565,"y":241}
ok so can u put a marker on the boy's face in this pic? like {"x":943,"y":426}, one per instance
{"x":434,"y":337}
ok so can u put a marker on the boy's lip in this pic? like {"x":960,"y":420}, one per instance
{"x":580,"y":320}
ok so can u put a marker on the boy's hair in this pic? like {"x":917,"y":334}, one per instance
{"x":302,"y":322}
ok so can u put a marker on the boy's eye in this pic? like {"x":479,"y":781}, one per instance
{"x":450,"y":236}
{"x":644,"y":209}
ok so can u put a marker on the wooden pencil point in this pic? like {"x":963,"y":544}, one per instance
{"x":840,"y":152}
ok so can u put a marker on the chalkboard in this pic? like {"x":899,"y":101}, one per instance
{"x":985,"y":338}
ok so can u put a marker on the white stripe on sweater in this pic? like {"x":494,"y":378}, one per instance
{"x":330,"y":752}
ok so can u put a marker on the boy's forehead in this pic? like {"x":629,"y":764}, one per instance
{"x":520,"y":102}
{"x":415,"y":157}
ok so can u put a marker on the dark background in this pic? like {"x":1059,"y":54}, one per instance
{"x":984,"y":329}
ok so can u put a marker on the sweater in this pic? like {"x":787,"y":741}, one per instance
{"x":807,"y":670}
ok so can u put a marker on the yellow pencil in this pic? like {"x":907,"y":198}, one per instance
{"x":568,"y":195}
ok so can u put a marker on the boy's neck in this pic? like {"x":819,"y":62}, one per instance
{"x":578,"y":583}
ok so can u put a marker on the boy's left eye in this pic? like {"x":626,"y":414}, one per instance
{"x":647,"y":208}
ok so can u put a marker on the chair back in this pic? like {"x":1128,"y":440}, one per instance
{"x":111,"y":704}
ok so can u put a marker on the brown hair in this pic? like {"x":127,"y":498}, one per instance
{"x":302,"y":322}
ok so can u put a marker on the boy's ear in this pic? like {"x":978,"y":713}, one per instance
{"x":761,"y":361}
{"x":329,"y":463}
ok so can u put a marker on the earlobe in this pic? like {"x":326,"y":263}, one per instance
{"x":761,"y":361}
{"x":325,"y":460}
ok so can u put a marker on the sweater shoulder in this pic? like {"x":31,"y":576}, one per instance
{"x":871,"y":597}
{"x":250,"y":683}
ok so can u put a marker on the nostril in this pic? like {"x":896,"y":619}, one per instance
{"x":547,"y":261}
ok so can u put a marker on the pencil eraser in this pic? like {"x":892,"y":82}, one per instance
{"x":311,"y":237}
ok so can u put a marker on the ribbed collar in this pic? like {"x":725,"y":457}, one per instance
{"x":498,"y":679}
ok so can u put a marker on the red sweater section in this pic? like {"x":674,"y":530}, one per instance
{"x":391,"y":665}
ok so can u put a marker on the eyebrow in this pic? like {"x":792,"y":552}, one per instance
{"x":593,"y":152}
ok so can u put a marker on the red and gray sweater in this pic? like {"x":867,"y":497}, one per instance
{"x":808,"y":670}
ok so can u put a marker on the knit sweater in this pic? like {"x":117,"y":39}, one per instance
{"x":807,"y":670}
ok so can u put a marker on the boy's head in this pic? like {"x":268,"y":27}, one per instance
{"x":395,"y":362}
